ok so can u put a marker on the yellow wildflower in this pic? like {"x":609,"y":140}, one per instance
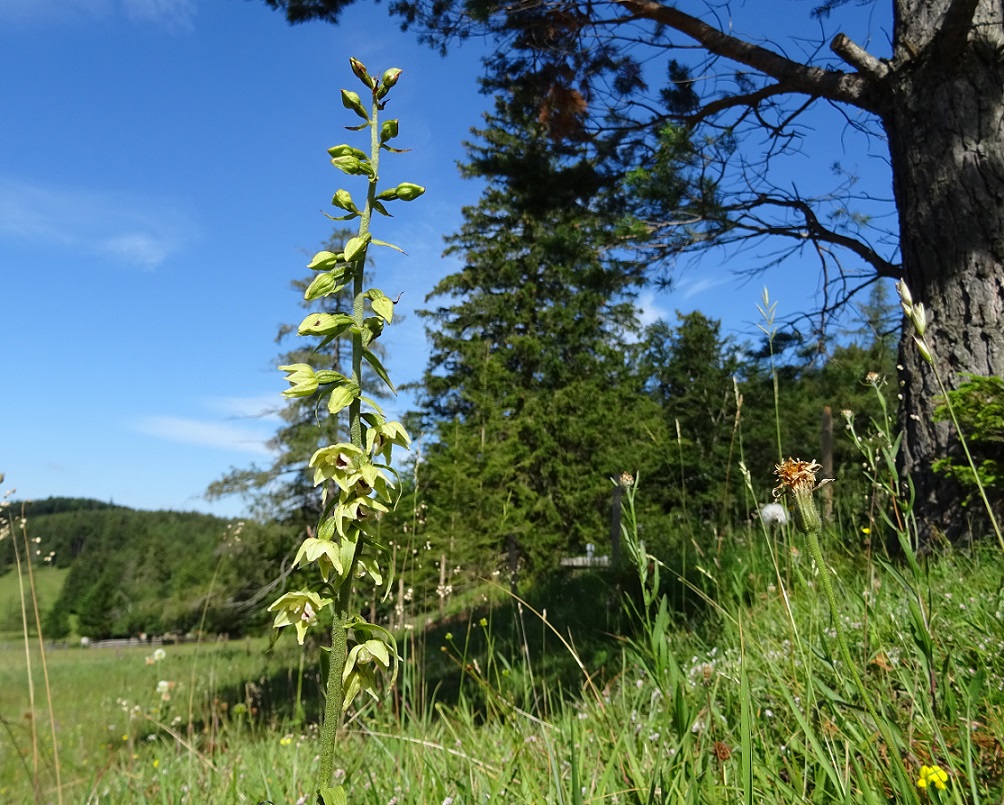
{"x":932,"y":775}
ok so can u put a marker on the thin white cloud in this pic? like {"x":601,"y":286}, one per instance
{"x":136,"y":248}
{"x":263,"y":407}
{"x":218,"y":435}
{"x":648,"y":311}
{"x":175,"y":15}
{"x":172,"y":14}
{"x":690,"y":288}
{"x":138,"y":231}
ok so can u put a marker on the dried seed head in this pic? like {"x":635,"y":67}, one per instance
{"x":795,"y":475}
{"x":798,"y":478}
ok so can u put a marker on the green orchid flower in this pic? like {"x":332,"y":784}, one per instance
{"x":302,"y":379}
{"x":298,"y":609}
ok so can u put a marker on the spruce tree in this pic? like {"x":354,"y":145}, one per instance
{"x":690,"y":369}
{"x":530,"y":396}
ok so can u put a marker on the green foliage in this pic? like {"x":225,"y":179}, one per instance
{"x":498,"y":703}
{"x":979,"y":406}
{"x":48,"y":584}
{"x":125,"y":574}
{"x":532,"y":358}
{"x":541,"y":385}
{"x":56,"y":623}
{"x":674,"y":194}
{"x":689,"y":370}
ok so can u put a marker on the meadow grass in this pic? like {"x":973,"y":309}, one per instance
{"x":746,"y":701}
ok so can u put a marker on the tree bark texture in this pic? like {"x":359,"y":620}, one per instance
{"x":944,"y":115}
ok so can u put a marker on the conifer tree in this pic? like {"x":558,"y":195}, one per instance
{"x":531,"y":395}
{"x":690,"y":369}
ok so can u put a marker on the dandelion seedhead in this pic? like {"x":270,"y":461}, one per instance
{"x":773,"y":513}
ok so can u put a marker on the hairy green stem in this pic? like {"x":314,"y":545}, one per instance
{"x":334,"y":688}
{"x":334,"y":699}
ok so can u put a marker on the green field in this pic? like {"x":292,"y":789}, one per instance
{"x":743,"y":698}
{"x":48,"y":583}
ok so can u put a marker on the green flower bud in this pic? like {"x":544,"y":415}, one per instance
{"x":389,"y":80}
{"x":352,"y":166}
{"x":322,"y":285}
{"x":388,"y":130}
{"x":324,"y":260}
{"x":406,"y":191}
{"x":350,"y":100}
{"x":343,"y":200}
{"x":344,"y":150}
{"x":355,"y":247}
{"x":360,"y":72}
{"x":325,"y":324}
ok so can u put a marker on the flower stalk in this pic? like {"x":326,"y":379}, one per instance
{"x":355,"y":475}
{"x":797,"y":481}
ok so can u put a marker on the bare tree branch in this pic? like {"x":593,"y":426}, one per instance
{"x":731,"y":101}
{"x":818,"y":233}
{"x":741,"y":222}
{"x":849,"y":88}
{"x":858,"y":57}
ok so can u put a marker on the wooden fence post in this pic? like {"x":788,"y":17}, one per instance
{"x":513,"y":564}
{"x":826,"y":460}
{"x":615,"y":527}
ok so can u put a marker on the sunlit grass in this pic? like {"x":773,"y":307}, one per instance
{"x":633,"y":731}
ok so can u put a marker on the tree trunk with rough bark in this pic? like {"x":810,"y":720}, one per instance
{"x":944,"y":117}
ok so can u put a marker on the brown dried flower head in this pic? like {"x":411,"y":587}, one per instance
{"x":795,"y":475}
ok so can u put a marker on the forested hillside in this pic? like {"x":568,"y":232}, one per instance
{"x":135,"y":571}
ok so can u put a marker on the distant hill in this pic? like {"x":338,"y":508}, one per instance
{"x":133,"y":571}
{"x":34,"y":508}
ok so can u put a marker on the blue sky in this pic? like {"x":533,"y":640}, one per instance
{"x":163,"y":170}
